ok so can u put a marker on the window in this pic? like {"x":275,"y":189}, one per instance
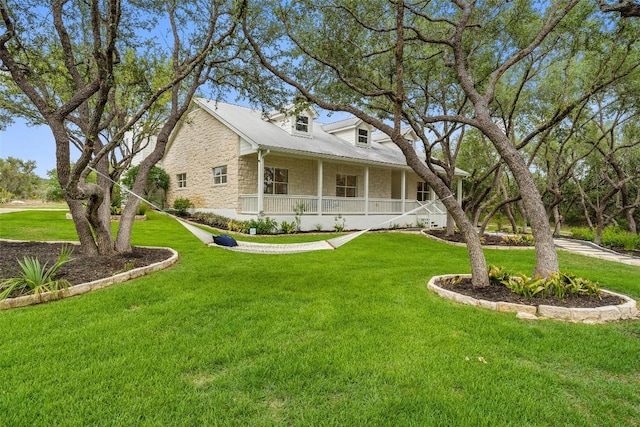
{"x":220,"y":175}
{"x":363,"y":137}
{"x":346,"y":186}
{"x":276,"y":181}
{"x":302,"y":124}
{"x":182,"y":180}
{"x":423,"y":192}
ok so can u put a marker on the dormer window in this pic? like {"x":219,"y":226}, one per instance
{"x":302,"y":124}
{"x":363,"y":137}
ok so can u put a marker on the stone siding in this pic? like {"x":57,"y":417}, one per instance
{"x":202,"y":143}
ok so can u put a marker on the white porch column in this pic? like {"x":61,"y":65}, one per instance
{"x":261,"y":157}
{"x":366,"y":190}
{"x":459,"y":191}
{"x":320,"y":182}
{"x":403,"y":191}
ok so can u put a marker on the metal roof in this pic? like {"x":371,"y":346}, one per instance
{"x":252,"y":126}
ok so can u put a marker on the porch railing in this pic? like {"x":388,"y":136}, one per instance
{"x":288,"y":204}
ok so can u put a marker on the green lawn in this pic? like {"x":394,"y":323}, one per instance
{"x":329,"y":338}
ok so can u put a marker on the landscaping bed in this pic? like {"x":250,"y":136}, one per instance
{"x":502,"y":293}
{"x":81,"y":268}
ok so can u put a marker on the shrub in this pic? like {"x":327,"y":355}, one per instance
{"x":288,"y":227}
{"x":237,"y":226}
{"x":611,"y":237}
{"x":211,"y":219}
{"x":619,"y":238}
{"x":142,"y":209}
{"x":181,"y":205}
{"x":263,"y":224}
{"x":299,"y":210}
{"x":583,"y":233}
{"x":36,"y":278}
{"x":558,"y":285}
{"x":519,"y":239}
{"x":5,"y":196}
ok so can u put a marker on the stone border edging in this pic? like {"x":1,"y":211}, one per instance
{"x":84,"y":288}
{"x":627,"y":310}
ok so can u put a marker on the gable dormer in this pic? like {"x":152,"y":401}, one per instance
{"x":353,"y":131}
{"x":384,"y":139}
{"x":295,"y":121}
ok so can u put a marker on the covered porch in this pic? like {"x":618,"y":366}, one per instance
{"x":433,"y":214}
{"x":317,"y":191}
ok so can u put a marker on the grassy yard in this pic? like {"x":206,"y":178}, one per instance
{"x":330,"y":338}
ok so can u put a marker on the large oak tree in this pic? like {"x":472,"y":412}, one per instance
{"x":95,"y":70}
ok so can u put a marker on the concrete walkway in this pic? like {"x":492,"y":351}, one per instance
{"x":592,"y":250}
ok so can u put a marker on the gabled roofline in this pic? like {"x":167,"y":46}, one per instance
{"x":208,"y":106}
{"x":203,"y":104}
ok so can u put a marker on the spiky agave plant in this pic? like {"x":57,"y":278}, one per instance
{"x":37,"y":278}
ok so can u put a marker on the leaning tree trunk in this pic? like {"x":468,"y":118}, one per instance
{"x":557,"y":221}
{"x":123,"y":239}
{"x":479,"y":272}
{"x":511,"y":218}
{"x":546,"y":256}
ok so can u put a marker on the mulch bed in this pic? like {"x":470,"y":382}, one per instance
{"x":502,"y":293}
{"x":80,"y":269}
{"x":487,"y":239}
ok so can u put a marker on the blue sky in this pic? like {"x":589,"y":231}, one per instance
{"x":29,"y":143}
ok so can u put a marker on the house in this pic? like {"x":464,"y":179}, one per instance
{"x":239,"y":162}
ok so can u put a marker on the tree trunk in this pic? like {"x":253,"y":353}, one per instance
{"x":512,"y":220}
{"x":523,"y":214}
{"x":99,"y":209}
{"x":83,"y":229}
{"x":123,"y":239}
{"x":597,"y":238}
{"x":557,"y":221}
{"x":632,"y":227}
{"x":451,"y":225}
{"x":546,"y":256}
{"x":479,"y":272}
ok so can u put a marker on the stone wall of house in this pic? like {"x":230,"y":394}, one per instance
{"x":201,"y":144}
{"x":379,"y":183}
{"x":248,"y":174}
{"x":303,"y":173}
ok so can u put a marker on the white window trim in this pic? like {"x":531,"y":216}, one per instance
{"x":223,"y":176}
{"x":184,"y":181}
{"x":294,"y":125}
{"x":273,"y":193}
{"x":425,"y":191}
{"x":345,"y":186}
{"x":363,"y":144}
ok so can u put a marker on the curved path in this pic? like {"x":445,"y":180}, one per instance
{"x":592,"y":250}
